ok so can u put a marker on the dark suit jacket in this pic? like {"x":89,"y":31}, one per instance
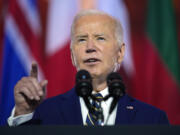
{"x":65,"y":110}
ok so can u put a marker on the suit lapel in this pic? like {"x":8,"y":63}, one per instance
{"x":71,"y":109}
{"x":126,"y":111}
{"x":71,"y":112}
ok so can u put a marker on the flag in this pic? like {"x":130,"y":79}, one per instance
{"x":60,"y":71}
{"x":21,"y":46}
{"x":156,"y":59}
{"x":161,"y":32}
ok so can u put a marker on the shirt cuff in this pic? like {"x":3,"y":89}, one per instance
{"x":15,"y":121}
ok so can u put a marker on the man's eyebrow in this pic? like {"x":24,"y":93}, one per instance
{"x":81,"y":36}
{"x":98,"y":35}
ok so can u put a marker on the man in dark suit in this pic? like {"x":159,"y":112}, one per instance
{"x":96,"y":46}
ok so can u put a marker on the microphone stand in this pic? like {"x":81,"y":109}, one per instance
{"x":106,"y":98}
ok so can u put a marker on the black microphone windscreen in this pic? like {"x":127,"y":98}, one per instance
{"x":83,"y":75}
{"x":83,"y":83}
{"x":84,"y":87}
{"x":115,"y":84}
{"x":116,"y":88}
{"x":113,"y":76}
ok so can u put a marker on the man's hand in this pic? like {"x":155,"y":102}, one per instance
{"x":28,"y":92}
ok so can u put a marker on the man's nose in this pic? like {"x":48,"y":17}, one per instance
{"x":90,"y":47}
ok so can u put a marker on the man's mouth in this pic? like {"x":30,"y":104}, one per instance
{"x":91,"y":60}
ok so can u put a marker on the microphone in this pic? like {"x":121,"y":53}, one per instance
{"x":84,"y":87}
{"x":116,"y":88}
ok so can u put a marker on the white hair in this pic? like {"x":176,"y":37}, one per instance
{"x":118,"y":27}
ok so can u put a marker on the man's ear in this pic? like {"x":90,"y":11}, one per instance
{"x":72,"y":58}
{"x":121,"y":53}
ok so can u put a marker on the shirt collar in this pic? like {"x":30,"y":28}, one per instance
{"x":103,"y":92}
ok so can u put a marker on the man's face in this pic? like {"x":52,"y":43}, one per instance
{"x":94,"y":46}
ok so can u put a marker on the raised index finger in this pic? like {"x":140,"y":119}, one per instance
{"x":34,"y":70}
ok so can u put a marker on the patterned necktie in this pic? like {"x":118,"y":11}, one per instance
{"x":92,"y":118}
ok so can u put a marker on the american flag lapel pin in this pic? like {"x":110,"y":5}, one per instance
{"x":130,"y":107}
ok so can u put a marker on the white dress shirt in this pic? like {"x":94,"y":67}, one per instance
{"x":105,"y":106}
{"x":15,"y":121}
